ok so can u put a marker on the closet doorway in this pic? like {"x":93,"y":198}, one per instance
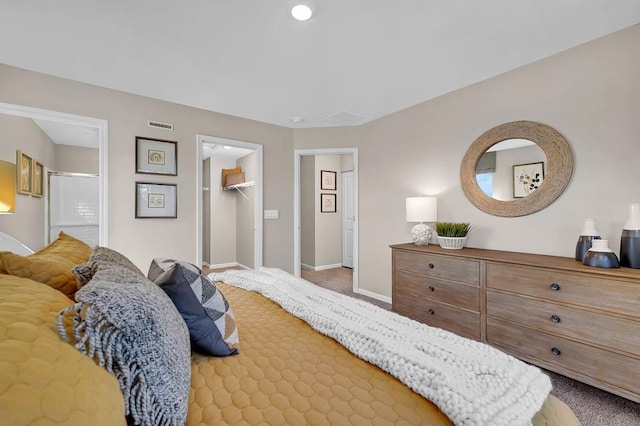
{"x":326,"y":216}
{"x":229,"y":203}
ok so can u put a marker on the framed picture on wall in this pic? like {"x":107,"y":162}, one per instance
{"x":156,"y":156}
{"x":38,"y":179}
{"x":328,"y":180}
{"x":24,"y":173}
{"x":156,"y":200}
{"x":527,"y":178}
{"x":327,"y":203}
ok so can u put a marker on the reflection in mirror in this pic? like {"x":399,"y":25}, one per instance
{"x":511,"y":169}
{"x":556,"y":165}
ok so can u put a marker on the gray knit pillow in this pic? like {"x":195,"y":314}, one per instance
{"x":130,"y":326}
{"x":100,"y":257}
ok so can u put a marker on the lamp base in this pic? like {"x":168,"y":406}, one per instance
{"x":421,"y":234}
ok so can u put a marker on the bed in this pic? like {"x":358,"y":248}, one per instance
{"x":284,"y":373}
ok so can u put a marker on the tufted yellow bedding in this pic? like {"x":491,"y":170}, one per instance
{"x":286,"y":373}
{"x":44,"y":380}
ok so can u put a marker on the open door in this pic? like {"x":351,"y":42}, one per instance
{"x":348,"y":217}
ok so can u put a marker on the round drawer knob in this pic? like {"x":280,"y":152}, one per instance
{"x":555,"y":318}
{"x":432,"y":288}
{"x":555,"y":351}
{"x":431,"y":311}
{"x":555,"y":286}
{"x":431,"y":265}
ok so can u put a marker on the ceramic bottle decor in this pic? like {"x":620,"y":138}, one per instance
{"x":601,"y":256}
{"x":630,"y":241}
{"x":588,"y":234}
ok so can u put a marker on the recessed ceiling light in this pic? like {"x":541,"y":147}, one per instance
{"x":297,"y":119}
{"x":227,"y":147}
{"x":301,"y":12}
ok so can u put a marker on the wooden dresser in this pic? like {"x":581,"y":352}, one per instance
{"x":552,"y":311}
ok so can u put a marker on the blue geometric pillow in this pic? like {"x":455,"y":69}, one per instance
{"x":211,"y":323}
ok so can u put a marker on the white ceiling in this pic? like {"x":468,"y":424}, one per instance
{"x":69,"y":134}
{"x":359,"y":59}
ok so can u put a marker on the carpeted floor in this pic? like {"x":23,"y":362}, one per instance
{"x":592,"y":406}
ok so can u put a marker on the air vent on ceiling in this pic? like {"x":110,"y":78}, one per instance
{"x":344,"y":118}
{"x":159,"y":125}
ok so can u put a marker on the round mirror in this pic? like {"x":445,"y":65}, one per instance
{"x":516,"y":168}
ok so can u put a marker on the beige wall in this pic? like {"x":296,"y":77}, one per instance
{"x":223,"y":215}
{"x":245,"y":213}
{"x":27,"y":223}
{"x":128,"y":115}
{"x":328,"y":225}
{"x":76,"y":159}
{"x":589,"y":94}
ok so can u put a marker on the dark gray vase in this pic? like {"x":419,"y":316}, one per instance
{"x":630,"y":248}
{"x":584,"y":244}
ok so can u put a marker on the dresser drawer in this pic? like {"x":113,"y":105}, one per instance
{"x":426,"y":287}
{"x":537,"y":347}
{"x":448,"y":268}
{"x":597,"y":292}
{"x":605,"y":330}
{"x":437,"y":314}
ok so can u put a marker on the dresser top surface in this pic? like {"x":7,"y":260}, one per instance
{"x":525,"y":259}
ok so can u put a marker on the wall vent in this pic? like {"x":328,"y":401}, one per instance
{"x":160,"y":125}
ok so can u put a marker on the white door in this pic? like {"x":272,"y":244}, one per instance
{"x":348,"y":218}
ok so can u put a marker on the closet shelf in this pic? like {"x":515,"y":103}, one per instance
{"x":237,"y":187}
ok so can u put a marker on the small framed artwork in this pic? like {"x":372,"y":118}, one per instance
{"x":156,"y":200}
{"x":156,"y":156}
{"x":527,"y":178}
{"x":38,"y":179}
{"x":328,"y":180}
{"x":24,"y":173}
{"x":327,"y":203}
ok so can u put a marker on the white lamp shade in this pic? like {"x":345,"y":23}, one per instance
{"x":422,"y":209}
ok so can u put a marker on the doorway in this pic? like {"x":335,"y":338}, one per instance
{"x":98,"y":129}
{"x":311,"y":209}
{"x":229,"y":216}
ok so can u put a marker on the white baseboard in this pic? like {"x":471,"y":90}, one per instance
{"x":320,"y":268}
{"x":374,"y":295}
{"x":228,"y":265}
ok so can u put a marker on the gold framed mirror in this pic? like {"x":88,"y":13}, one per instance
{"x":557,"y":171}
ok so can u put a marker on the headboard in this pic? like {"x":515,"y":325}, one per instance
{"x":8,"y":243}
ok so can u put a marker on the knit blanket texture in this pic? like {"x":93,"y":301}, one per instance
{"x":471,"y":382}
{"x":131,"y":327}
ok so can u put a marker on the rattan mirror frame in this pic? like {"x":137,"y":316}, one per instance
{"x":557,"y":175}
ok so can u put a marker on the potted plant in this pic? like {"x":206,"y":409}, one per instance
{"x":452,"y":235}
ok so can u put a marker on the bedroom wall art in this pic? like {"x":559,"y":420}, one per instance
{"x":327,"y":203}
{"x":328,"y":180}
{"x":38,"y":179}
{"x":24,"y":167}
{"x":156,"y":156}
{"x":156,"y":200}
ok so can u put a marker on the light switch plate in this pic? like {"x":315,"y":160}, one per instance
{"x":271,"y":214}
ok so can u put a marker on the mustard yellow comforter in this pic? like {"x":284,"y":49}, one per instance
{"x":44,"y":380}
{"x":286,"y":373}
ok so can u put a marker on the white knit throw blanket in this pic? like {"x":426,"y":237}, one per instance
{"x":471,"y":382}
